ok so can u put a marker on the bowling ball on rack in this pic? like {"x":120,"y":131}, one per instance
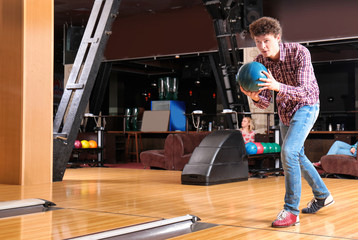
{"x":265,"y":147}
{"x":271,"y":148}
{"x":277,"y":147}
{"x":92,"y":144}
{"x":78,"y":144}
{"x":250,"y":148}
{"x":260,"y":148}
{"x":85,"y":144}
{"x":249,"y":74}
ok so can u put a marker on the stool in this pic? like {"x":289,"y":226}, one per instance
{"x":137,"y":137}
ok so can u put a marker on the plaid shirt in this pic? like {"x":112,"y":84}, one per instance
{"x":298,"y":85}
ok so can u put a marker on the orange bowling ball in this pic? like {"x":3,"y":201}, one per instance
{"x":92,"y":144}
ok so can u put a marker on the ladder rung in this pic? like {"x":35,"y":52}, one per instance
{"x":74,"y":86}
{"x":90,"y":40}
{"x":62,"y":136}
{"x":224,"y":35}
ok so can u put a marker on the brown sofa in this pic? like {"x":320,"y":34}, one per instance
{"x":340,"y":164}
{"x":177,"y":151}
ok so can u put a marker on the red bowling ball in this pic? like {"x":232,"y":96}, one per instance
{"x":260,"y":148}
{"x":78,"y":144}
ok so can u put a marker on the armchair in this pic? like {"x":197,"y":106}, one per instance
{"x":177,"y":151}
{"x":340,"y":164}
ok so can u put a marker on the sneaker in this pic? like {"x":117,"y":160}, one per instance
{"x":316,"y":204}
{"x":285,"y":219}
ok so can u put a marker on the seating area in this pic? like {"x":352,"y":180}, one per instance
{"x":340,"y":165}
{"x":178,"y":148}
{"x":177,"y":151}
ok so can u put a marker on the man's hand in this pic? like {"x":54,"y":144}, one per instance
{"x":269,"y":82}
{"x":253,"y":95}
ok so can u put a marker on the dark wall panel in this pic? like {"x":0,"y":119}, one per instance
{"x":311,"y":20}
{"x":190,"y":30}
{"x":167,"y":33}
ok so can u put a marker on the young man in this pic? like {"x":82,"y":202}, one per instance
{"x":291,"y":76}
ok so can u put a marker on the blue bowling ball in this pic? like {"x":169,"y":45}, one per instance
{"x":251,"y":148}
{"x":248,"y":76}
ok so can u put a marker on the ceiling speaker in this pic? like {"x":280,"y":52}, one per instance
{"x":253,"y":10}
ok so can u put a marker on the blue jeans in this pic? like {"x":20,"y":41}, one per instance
{"x":294,"y":160}
{"x":340,"y":147}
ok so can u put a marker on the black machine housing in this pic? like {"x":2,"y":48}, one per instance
{"x":220,"y":158}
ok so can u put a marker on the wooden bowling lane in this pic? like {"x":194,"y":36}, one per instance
{"x":101,"y":199}
{"x":234,"y":232}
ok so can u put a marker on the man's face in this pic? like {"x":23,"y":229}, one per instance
{"x":268,"y":45}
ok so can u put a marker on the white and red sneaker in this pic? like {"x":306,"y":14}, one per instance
{"x":285,"y":219}
{"x":317,"y":164}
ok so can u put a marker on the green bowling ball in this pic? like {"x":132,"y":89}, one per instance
{"x":271,"y":148}
{"x":264,"y":145}
{"x":277,"y":147}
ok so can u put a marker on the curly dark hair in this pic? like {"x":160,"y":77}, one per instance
{"x":265,"y":25}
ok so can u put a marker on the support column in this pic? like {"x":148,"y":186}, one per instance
{"x":26,"y":91}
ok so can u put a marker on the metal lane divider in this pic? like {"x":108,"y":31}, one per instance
{"x":157,"y":230}
{"x":25,"y":206}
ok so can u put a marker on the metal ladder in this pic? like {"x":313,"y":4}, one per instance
{"x":227,"y":19}
{"x":80,"y":82}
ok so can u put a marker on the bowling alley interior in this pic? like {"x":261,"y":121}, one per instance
{"x":124,"y":119}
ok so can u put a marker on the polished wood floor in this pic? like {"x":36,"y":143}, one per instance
{"x":100,"y":199}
